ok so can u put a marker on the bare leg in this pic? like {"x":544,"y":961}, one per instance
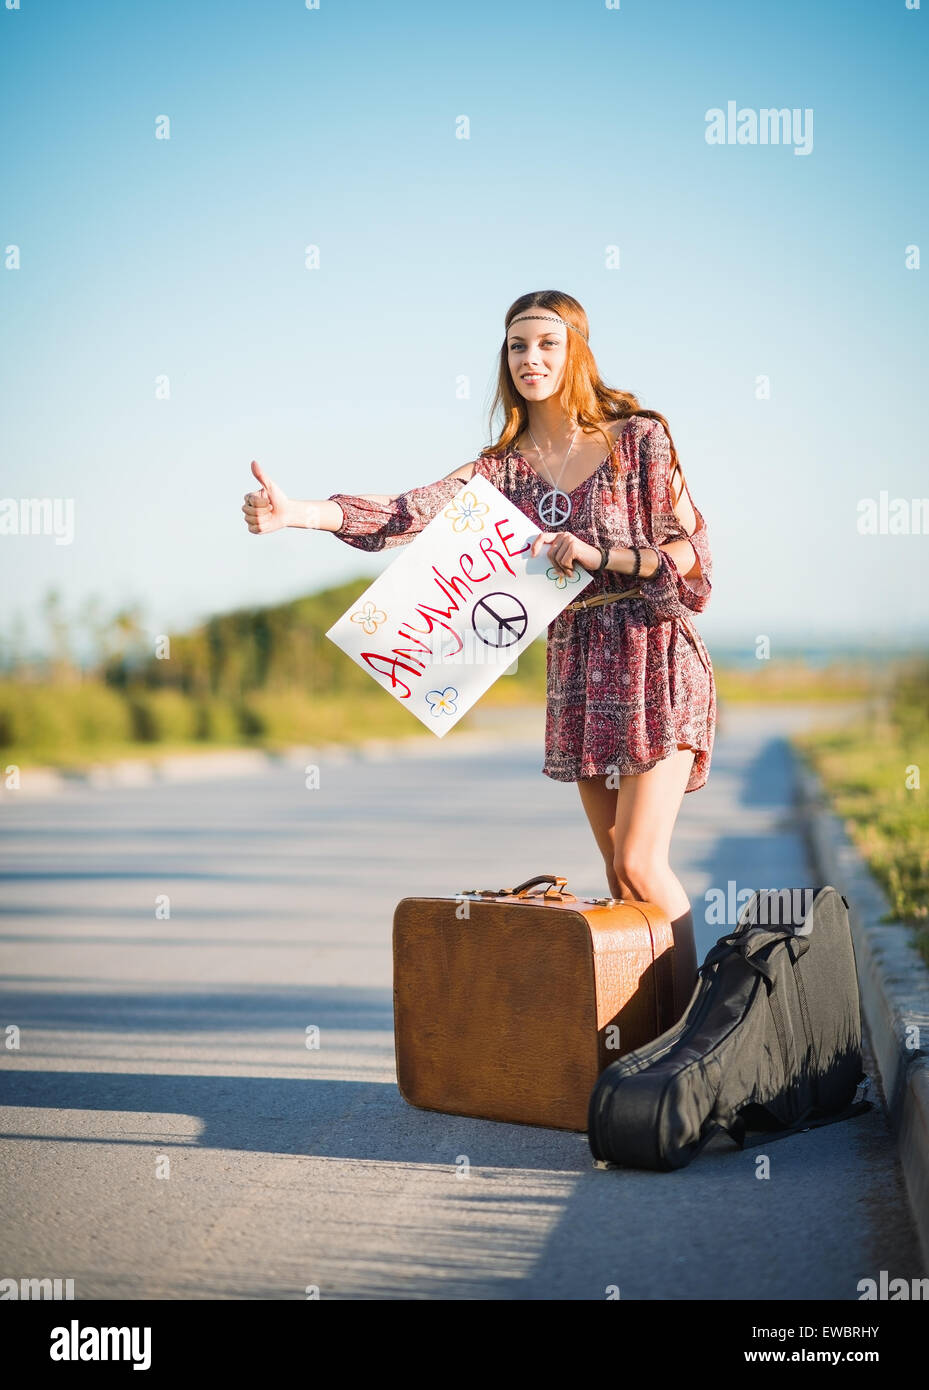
{"x":599,"y":802}
{"x":632,"y":827}
{"x":646,"y":810}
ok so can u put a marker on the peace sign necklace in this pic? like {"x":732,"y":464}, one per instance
{"x":555,"y":506}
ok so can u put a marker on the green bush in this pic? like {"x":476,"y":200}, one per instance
{"x":100,"y":715}
{"x":7,"y":714}
{"x":909,"y":700}
{"x":162,"y":716}
{"x":218,"y":721}
{"x":35,"y":717}
{"x":281,"y":717}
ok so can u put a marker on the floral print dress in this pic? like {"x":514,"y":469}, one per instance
{"x":628,"y":681}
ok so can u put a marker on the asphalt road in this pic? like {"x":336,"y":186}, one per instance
{"x":167,"y":1133}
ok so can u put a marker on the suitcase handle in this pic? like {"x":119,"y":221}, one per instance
{"x":559,"y":892}
{"x":552,"y":879}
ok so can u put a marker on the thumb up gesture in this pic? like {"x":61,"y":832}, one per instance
{"x":265,"y":510}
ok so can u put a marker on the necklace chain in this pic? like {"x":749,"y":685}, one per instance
{"x":556,"y":506}
{"x":556,"y":485}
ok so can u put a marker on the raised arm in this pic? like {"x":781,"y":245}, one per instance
{"x":370,"y":521}
{"x":378,"y":521}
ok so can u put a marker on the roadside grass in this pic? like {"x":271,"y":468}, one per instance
{"x":874,"y":770}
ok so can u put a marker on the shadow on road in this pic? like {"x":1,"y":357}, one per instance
{"x":312,"y":1117}
{"x":202,"y":1011}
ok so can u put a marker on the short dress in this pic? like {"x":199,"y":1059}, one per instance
{"x":627,"y":682}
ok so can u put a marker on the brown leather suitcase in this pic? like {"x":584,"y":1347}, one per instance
{"x":508,"y":1004}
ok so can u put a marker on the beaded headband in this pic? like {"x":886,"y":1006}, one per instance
{"x":555,"y":318}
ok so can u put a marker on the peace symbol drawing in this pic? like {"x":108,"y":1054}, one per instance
{"x":499,"y":619}
{"x":460,"y":602}
{"x":555,"y":508}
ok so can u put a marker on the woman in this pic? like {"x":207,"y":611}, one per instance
{"x":631,"y":712}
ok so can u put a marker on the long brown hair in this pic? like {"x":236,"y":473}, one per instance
{"x":585,"y":396}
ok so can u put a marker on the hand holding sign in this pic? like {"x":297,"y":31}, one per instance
{"x":461,"y":604}
{"x":565,"y":550}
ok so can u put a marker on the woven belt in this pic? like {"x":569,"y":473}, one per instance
{"x":616,"y":594}
{"x":610,"y":597}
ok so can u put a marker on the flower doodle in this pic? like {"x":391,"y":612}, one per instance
{"x":562,"y":580}
{"x":442,"y":701}
{"x":465,"y":513}
{"x":369,"y":617}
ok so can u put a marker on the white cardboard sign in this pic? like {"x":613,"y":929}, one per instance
{"x":457,"y":607}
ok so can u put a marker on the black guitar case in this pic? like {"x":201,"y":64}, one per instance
{"x":771,"y":1040}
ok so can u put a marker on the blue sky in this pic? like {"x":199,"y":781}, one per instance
{"x":336,"y":127}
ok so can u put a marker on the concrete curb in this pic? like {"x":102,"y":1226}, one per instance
{"x":894,"y":985}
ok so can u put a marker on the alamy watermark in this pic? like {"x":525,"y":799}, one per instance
{"x":769,"y":125}
{"x":774,"y":907}
{"x":38,"y":516}
{"x":36,"y":1288}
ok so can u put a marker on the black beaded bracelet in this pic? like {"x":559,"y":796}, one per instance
{"x":638,"y":563}
{"x":604,"y":558}
{"x":657,"y":554}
